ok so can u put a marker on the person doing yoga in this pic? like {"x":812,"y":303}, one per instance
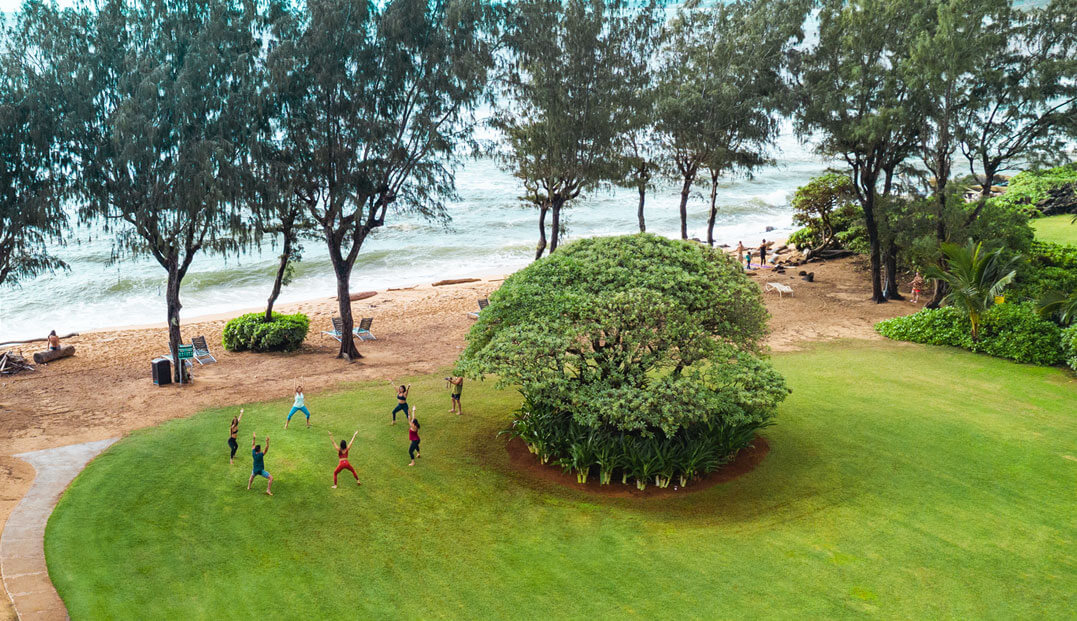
{"x":342,"y":455}
{"x":258,"y":468}
{"x":233,"y":431}
{"x":413,"y":435}
{"x":300,"y":405}
{"x":401,"y":401}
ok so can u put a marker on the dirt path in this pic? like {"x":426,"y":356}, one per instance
{"x":105,"y":390}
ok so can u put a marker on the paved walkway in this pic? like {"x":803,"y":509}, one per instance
{"x":22,"y":545}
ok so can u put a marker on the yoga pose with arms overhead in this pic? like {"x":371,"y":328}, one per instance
{"x":300,"y":405}
{"x":342,"y":455}
{"x":401,"y":401}
{"x":259,"y":466}
{"x":233,"y":431}
{"x":413,"y":435}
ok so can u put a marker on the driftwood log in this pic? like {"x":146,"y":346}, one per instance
{"x":41,"y":357}
{"x":360,"y":296}
{"x":455,"y":281}
{"x":12,"y":363}
{"x":44,"y":338}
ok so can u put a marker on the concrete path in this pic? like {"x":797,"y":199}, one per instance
{"x":22,"y":545}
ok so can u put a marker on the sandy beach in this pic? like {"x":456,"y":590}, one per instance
{"x":105,"y":390}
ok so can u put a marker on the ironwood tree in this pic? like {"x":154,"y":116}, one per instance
{"x":373,"y":104}
{"x":852,"y":96}
{"x":159,"y":94}
{"x":33,"y":168}
{"x":571,"y":93}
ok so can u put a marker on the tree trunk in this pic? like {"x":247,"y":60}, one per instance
{"x":639,"y":211}
{"x":891,"y":288}
{"x":686,"y":188}
{"x":985,"y":193}
{"x":173,"y":304}
{"x":555,"y":223}
{"x":285,"y":257}
{"x":714,"y":211}
{"x":940,"y":233}
{"x":876,"y":254}
{"x":347,"y":351}
{"x":542,"y":231}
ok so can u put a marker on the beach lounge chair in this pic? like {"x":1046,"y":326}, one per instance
{"x":338,"y":329}
{"x":201,"y":351}
{"x":363,"y":331}
{"x":483,"y":303}
{"x":779,"y":287}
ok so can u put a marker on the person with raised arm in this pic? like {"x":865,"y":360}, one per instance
{"x":233,"y":432}
{"x":342,"y":455}
{"x":259,"y":465}
{"x":401,"y":401}
{"x":413,"y":435}
{"x":300,"y":405}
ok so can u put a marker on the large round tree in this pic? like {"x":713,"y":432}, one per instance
{"x":636,"y":353}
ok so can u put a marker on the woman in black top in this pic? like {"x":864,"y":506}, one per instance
{"x":232,"y":432}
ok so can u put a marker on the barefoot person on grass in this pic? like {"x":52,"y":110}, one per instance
{"x":413,"y":435}
{"x":300,"y":405}
{"x":259,"y":466}
{"x":401,"y":401}
{"x":342,"y":455}
{"x":233,"y":431}
{"x":456,"y":386}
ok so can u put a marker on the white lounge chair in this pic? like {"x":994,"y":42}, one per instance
{"x":363,"y":331}
{"x":779,"y":287}
{"x":483,"y":303}
{"x":201,"y":351}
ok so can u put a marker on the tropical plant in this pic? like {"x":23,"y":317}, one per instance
{"x":1059,"y":306}
{"x":820,"y":205}
{"x":252,"y":332}
{"x":975,"y":277}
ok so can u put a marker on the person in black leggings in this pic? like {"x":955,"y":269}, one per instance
{"x":232,"y":432}
{"x":413,"y":435}
{"x":401,"y":401}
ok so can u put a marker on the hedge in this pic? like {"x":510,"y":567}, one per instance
{"x":252,"y":332}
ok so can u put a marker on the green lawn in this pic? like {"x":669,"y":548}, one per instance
{"x":903,"y":482}
{"x":1057,"y":229}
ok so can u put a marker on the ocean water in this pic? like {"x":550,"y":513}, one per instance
{"x":491,"y":232}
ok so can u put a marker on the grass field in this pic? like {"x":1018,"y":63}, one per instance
{"x":1057,"y":229}
{"x":903,"y":482}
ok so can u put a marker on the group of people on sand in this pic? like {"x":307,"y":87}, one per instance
{"x":258,"y":469}
{"x":746,"y":254}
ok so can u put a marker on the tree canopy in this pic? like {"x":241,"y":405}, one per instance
{"x":638,"y":333}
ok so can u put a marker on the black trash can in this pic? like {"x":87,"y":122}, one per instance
{"x":162,"y":371}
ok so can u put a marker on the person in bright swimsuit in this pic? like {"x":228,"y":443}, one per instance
{"x":401,"y":401}
{"x":258,"y":468}
{"x":456,"y":385}
{"x":300,"y":405}
{"x":413,"y":435}
{"x":233,"y":431}
{"x":342,"y":455}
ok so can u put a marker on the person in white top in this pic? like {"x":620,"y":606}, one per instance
{"x":300,"y":405}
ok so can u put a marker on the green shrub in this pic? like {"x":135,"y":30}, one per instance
{"x":1028,"y":188}
{"x":653,"y":341}
{"x":1013,"y":331}
{"x":252,"y":332}
{"x":1069,"y":346}
{"x":1050,"y":268}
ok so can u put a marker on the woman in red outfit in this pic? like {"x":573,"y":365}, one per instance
{"x":342,"y":454}
{"x":413,"y":435}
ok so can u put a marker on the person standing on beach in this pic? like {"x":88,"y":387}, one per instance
{"x":740,"y":251}
{"x":300,"y":405}
{"x":342,"y":455}
{"x":233,"y":431}
{"x":763,"y":253}
{"x":413,"y":435}
{"x":401,"y":401}
{"x":259,"y":466}
{"x":456,"y":385}
{"x":748,"y":259}
{"x":54,"y":341}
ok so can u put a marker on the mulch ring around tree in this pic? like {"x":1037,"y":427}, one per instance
{"x":528,"y":464}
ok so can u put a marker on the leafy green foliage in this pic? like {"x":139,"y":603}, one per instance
{"x":975,"y":278}
{"x":636,"y":334}
{"x":1069,"y":346}
{"x":251,"y":332}
{"x":1060,"y":307}
{"x":1013,"y":331}
{"x":1050,"y":270}
{"x":1029,"y":188}
{"x":817,"y":204}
